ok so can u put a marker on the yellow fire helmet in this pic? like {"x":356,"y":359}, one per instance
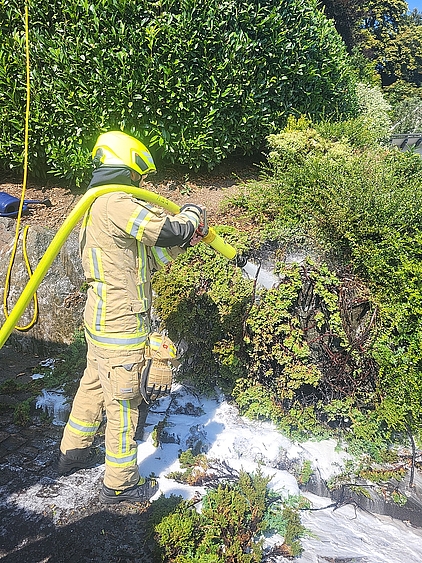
{"x":116,"y":148}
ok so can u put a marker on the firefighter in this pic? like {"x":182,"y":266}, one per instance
{"x":123,"y":240}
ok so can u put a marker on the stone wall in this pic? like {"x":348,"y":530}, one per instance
{"x":60,"y":296}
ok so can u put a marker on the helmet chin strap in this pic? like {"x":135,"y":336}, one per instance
{"x":96,"y":161}
{"x":135,"y":178}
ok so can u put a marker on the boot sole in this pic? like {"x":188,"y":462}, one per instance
{"x":110,"y":500}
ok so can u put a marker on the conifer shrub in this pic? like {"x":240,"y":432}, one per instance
{"x":233,"y":338}
{"x":194,"y":468}
{"x":201,"y":299}
{"x":281,"y":353}
{"x":336,"y":346}
{"x":196,"y":81}
{"x":230,"y":525}
{"x":22,"y":412}
{"x":362,"y":206}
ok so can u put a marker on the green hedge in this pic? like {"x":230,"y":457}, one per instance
{"x":196,"y":80}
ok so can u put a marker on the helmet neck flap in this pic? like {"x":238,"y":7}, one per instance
{"x":108,"y":175}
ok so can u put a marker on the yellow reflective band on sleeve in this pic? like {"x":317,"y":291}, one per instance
{"x":143,"y":263}
{"x":161,"y":255}
{"x":82,"y":428}
{"x":136,"y":224}
{"x":172,"y":351}
{"x":191,"y":216}
{"x":87,"y":219}
{"x":99,"y":288}
{"x":155,"y":342}
{"x":142,"y":280}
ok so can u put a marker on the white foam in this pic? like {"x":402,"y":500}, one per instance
{"x":55,"y":404}
{"x":263,"y":277}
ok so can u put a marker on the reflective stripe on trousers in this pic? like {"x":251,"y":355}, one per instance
{"x":95,"y":394}
{"x":126,"y":454}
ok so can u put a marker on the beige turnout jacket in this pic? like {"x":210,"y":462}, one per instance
{"x":122,"y":241}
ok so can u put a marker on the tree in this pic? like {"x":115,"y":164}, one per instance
{"x":401,"y":57}
{"x":407,"y":115}
{"x":383,"y":17}
{"x":347,"y":15}
{"x":383,"y":31}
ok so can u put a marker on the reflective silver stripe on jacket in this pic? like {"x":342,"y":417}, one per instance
{"x":106,"y":341}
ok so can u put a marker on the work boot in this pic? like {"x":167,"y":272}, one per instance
{"x":74,"y":460}
{"x":143,"y":491}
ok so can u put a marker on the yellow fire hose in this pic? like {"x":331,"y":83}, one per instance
{"x":212,"y":238}
{"x":22,"y":199}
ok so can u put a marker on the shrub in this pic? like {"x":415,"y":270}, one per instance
{"x":196,"y":81}
{"x":201,"y":300}
{"x":229,"y":528}
{"x":364,"y":206}
{"x":281,"y":353}
{"x":407,"y":115}
{"x":346,"y":196}
{"x":195,"y":467}
{"x":22,"y":412}
{"x":374,"y":110}
{"x":69,"y":368}
{"x":278,"y":355}
{"x":399,"y":91}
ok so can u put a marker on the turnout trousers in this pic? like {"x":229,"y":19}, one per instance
{"x":110,"y":383}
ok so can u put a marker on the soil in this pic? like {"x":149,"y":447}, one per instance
{"x":28,"y":452}
{"x":180,"y":186}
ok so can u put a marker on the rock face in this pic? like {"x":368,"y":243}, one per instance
{"x":60,"y":295}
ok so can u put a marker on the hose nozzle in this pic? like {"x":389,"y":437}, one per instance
{"x":218,"y":244}
{"x":241,"y":260}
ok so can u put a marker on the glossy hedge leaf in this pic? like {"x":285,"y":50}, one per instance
{"x":196,"y":80}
